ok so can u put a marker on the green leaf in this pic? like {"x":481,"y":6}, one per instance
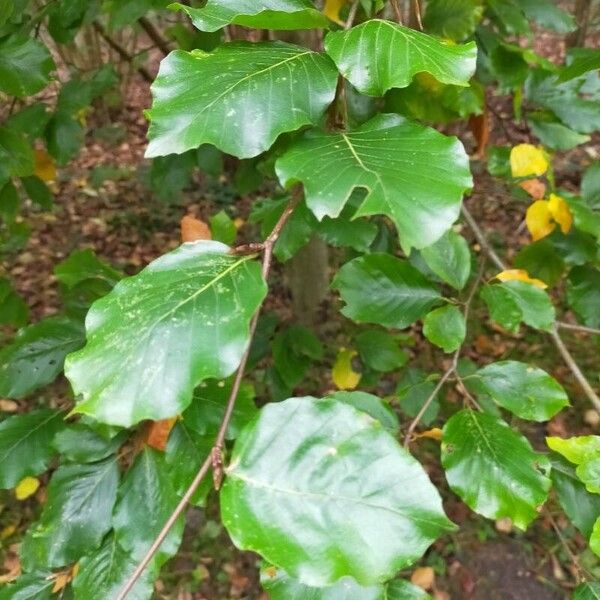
{"x":104,"y":573}
{"x":280,"y":586}
{"x":587,"y":591}
{"x":589,"y":473}
{"x":493,"y":468}
{"x":583,"y":61}
{"x":413,"y":390}
{"x":595,"y":538}
{"x":205,"y":413}
{"x":547,"y":14}
{"x":583,"y":294}
{"x":158,"y":334}
{"x":26,"y":444}
{"x":127,"y":12}
{"x":84,"y":264}
{"x":412,"y":174}
{"x":147,"y":484}
{"x":450,"y":259}
{"x":511,"y":302}
{"x":379,"y":350}
{"x":541,"y":260}
{"x":445,"y":327}
{"x":64,"y":137}
{"x":567,"y":100}
{"x":76,"y":516}
{"x":31,"y":586}
{"x":278,"y":497}
{"x":552,"y":133}
{"x":579,"y":505}
{"x":378,"y":55}
{"x":223,"y":228}
{"x":576,"y":449}
{"x":82,"y":444}
{"x":9,"y":202}
{"x":372,"y":405}
{"x":590,"y":185}
{"x":212,"y":98}
{"x":524,"y":390}
{"x":509,"y":15}
{"x":25,"y":66}
{"x":454,"y":19}
{"x":16,"y":155}
{"x":294,"y":350}
{"x":503,"y":307}
{"x":382,"y":289}
{"x":6,"y":10}
{"x":261,"y":14}
{"x":295,"y":234}
{"x":344,"y":231}
{"x":38,"y":192}
{"x":186,"y":441}
{"x":36,"y":355}
{"x":13,"y":309}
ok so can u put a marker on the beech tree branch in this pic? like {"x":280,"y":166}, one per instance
{"x":215,"y":456}
{"x":563,"y":350}
{"x":122,"y":52}
{"x":154,"y":35}
{"x":451,"y":369}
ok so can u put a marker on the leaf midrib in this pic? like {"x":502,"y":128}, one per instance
{"x":322,"y":496}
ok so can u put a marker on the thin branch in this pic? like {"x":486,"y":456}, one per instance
{"x":351,"y":15}
{"x":576,"y":327}
{"x":397,"y":11}
{"x":215,"y":456}
{"x":413,"y":425}
{"x":417,"y":12}
{"x":565,"y":545}
{"x":564,"y":352}
{"x":154,"y":35}
{"x":122,"y":52}
{"x":451,"y":369}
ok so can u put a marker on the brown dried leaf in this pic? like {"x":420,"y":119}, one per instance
{"x":534,"y":187}
{"x":193,"y":229}
{"x":158,"y":432}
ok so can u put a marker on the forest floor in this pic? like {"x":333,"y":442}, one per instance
{"x":103,"y":203}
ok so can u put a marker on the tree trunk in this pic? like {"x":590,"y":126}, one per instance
{"x":582,"y":17}
{"x":307,"y":276}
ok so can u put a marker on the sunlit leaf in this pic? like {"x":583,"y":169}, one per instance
{"x":27,"y":487}
{"x":278,"y":498}
{"x":380,"y":55}
{"x":520,"y":275}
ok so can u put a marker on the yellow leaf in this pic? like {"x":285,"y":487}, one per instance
{"x":433,"y":434}
{"x":332,"y":10}
{"x":561,"y":213}
{"x":539,"y":220}
{"x":424,"y":577}
{"x":63,"y":578}
{"x":526,"y":160}
{"x":520,"y":275}
{"x":7,"y":531}
{"x":343,"y":375}
{"x":45,"y":168}
{"x":26,"y":488}
{"x":238,"y":222}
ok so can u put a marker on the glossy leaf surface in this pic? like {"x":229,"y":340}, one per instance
{"x":76,"y":516}
{"x":525,"y":390}
{"x":239,"y":98}
{"x":26,"y":444}
{"x":294,"y":494}
{"x":493,"y":468}
{"x":36,"y":355}
{"x":412,"y":174}
{"x":256,"y":14}
{"x":380,"y":55}
{"x":445,"y":327}
{"x":450,"y":259}
{"x":158,"y":334}
{"x":382,"y":289}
